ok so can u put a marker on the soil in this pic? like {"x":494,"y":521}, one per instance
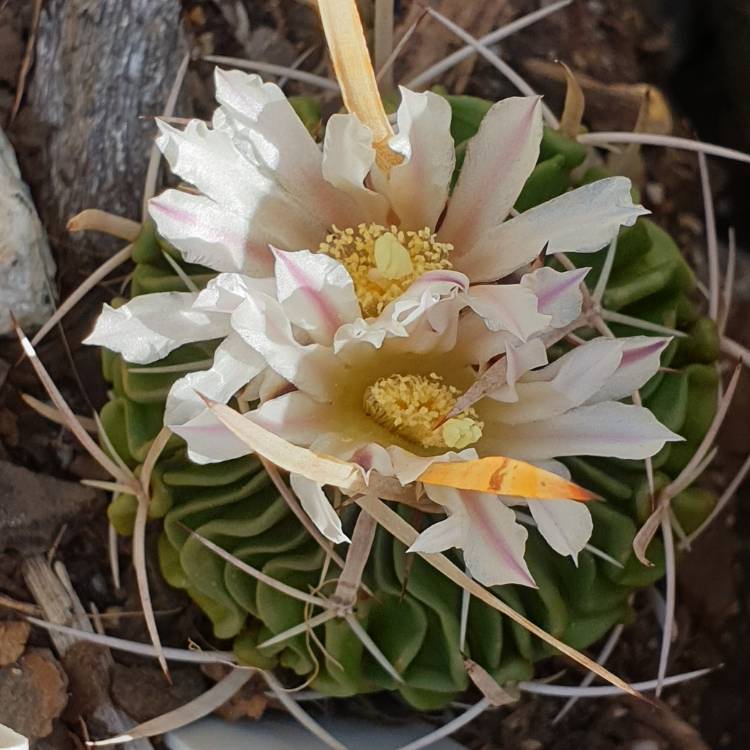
{"x":680,"y":47}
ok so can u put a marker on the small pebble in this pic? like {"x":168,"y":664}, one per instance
{"x":13,"y":637}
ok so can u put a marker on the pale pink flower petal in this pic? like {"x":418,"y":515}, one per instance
{"x":499,"y":159}
{"x":264,"y":117}
{"x":269,"y":133}
{"x":316,"y":293}
{"x":608,"y":429}
{"x":424,"y":318}
{"x":369,"y":456}
{"x":493,"y":542}
{"x":641,"y":358}
{"x":441,"y":536}
{"x":225,"y":292}
{"x":150,"y":326}
{"x":581,"y":221}
{"x":508,"y":307}
{"x":359,"y":332}
{"x":263,"y":324}
{"x":568,"y":382}
{"x":424,"y":293}
{"x":297,"y":417}
{"x":418,"y":187}
{"x":520,"y":359}
{"x":265,"y":386}
{"x":558,"y":292}
{"x":476,"y":344}
{"x":566,"y":525}
{"x":235,"y":363}
{"x":210,"y":160}
{"x":209,"y":235}
{"x":208,"y":440}
{"x":348,"y":157}
{"x":315,"y":503}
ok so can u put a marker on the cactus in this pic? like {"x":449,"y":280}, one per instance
{"x":413,"y":612}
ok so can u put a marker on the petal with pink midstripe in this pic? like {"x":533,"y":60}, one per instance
{"x":555,"y":389}
{"x":208,"y":234}
{"x":480,"y":524}
{"x":583,"y":220}
{"x":558,"y":292}
{"x":267,"y":130}
{"x":499,"y":159}
{"x":263,"y":324}
{"x":609,"y":429}
{"x":641,"y":358}
{"x":316,"y":292}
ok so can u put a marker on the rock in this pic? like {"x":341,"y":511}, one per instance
{"x":26,"y":265}
{"x":60,"y":739}
{"x":33,"y":693}
{"x":103,"y":69}
{"x":13,"y":637}
{"x":33,"y":507}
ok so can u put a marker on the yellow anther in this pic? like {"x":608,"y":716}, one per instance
{"x":392,"y":259}
{"x":460,"y":432}
{"x":383,"y":261}
{"x":411,"y":405}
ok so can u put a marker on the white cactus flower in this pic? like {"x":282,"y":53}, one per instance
{"x":264,"y":182}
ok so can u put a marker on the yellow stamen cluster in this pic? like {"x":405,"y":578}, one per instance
{"x":384,"y":262}
{"x":412,"y":406}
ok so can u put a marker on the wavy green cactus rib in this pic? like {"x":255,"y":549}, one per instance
{"x":413,"y":615}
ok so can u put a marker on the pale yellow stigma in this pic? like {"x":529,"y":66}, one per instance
{"x":392,"y":259}
{"x":383,"y":262}
{"x":461,"y":431}
{"x":413,"y":405}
